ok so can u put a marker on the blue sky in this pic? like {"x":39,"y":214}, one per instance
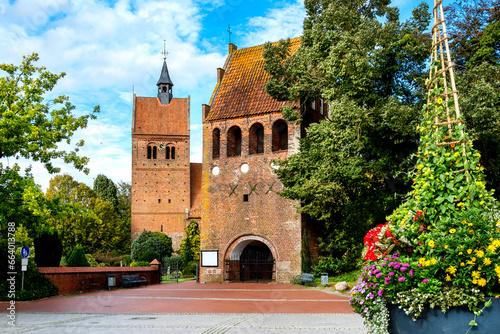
{"x":108,"y":48}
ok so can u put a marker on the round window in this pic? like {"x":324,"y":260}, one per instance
{"x":244,"y":168}
{"x":215,"y":170}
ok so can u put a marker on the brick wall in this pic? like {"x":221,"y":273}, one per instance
{"x":82,"y":279}
{"x":240,"y":206}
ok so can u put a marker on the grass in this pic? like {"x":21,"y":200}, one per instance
{"x":170,"y":279}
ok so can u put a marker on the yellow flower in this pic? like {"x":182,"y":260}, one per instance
{"x":476,"y":274}
{"x":445,"y":246}
{"x":469,"y":251}
{"x":480,"y":253}
{"x":420,"y":166}
{"x":421,"y":260}
{"x":452,"y":230}
{"x":487,"y":261}
{"x":482,"y":282}
{"x":452,"y":270}
{"x":431,"y":243}
{"x":491,"y":248}
{"x":471,"y":231}
{"x":448,"y":278}
{"x":462,"y":264}
{"x":481,"y":203}
{"x":474,"y":281}
{"x":433,"y":261}
{"x":439,"y":100}
{"x":460,"y":253}
{"x":497,"y":270}
{"x":496,"y":243}
{"x":427,"y":263}
{"x":470,"y":224}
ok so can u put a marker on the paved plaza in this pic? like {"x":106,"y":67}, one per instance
{"x":190,"y":308}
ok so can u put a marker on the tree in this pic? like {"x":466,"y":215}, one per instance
{"x":370,"y":68}
{"x":151,"y":241}
{"x":78,"y":258}
{"x":190,"y":245}
{"x":125,"y":214}
{"x":31,"y":127}
{"x":82,"y":218}
{"x":106,"y":190}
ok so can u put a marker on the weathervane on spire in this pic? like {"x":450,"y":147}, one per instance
{"x":164,"y":52}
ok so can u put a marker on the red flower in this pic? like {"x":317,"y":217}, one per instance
{"x":419,"y":213}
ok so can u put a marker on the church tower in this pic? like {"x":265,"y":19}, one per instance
{"x":161,"y":171}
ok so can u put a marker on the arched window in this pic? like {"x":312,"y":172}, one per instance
{"x":170,"y":152}
{"x":216,"y":143}
{"x":256,"y":142}
{"x":234,"y":141}
{"x":280,"y":135}
{"x":151,"y":151}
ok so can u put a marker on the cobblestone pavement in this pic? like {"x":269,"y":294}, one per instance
{"x":189,"y":323}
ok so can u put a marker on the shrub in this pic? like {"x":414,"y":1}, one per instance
{"x":140,"y":264}
{"x":127,"y":260}
{"x":149,"y":256}
{"x":91,"y":260}
{"x":151,"y":241}
{"x":36,"y":285}
{"x":173,"y":261}
{"x":190,"y":269}
{"x":78,"y":258}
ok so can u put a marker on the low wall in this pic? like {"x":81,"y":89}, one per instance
{"x":80,"y":279}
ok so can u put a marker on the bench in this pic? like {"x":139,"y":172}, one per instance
{"x":304,"y":277}
{"x":128,"y":280}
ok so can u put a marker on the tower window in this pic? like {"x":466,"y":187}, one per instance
{"x":159,"y":201}
{"x":172,"y":153}
{"x":161,"y":230}
{"x":151,"y":151}
{"x":256,"y":142}
{"x":167,"y":152}
{"x":280,"y":135}
{"x":234,"y":142}
{"x":216,"y":143}
{"x":245,"y":198}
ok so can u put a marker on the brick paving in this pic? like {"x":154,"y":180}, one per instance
{"x":190,"y":308}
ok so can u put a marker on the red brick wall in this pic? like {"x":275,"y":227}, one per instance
{"x":81,"y":279}
{"x":266,"y":216}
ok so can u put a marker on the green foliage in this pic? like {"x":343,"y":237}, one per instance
{"x":369,"y":67}
{"x":90,"y":259}
{"x":127,"y":260}
{"x":36,"y":285}
{"x":78,"y":258}
{"x":29,"y":126}
{"x":190,"y":245}
{"x":82,"y":218}
{"x":149,"y":256}
{"x":140,"y":264}
{"x":190,"y":269}
{"x":173,"y":262}
{"x":124,"y":212}
{"x":157,"y":242}
{"x":106,"y":190}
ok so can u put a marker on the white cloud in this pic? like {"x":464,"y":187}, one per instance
{"x":279,"y":23}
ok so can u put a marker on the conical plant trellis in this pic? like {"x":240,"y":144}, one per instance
{"x":447,"y":220}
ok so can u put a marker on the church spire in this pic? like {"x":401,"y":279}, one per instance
{"x":164,"y":83}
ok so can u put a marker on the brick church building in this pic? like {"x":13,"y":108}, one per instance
{"x":248,"y":231}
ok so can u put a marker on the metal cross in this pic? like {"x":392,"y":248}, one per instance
{"x":252,"y":189}
{"x":164,"y":52}
{"x":230,"y":33}
{"x":232,"y":189}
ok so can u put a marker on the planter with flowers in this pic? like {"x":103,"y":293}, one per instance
{"x":440,"y":250}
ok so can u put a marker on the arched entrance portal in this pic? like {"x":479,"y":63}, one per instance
{"x":250,"y":260}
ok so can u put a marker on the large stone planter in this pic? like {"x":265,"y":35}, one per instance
{"x":454,"y":321}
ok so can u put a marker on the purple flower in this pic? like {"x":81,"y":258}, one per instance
{"x":380,"y":292}
{"x":390,"y":274}
{"x":378,"y":275}
{"x":370,"y":295}
{"x":403,"y":268}
{"x":397,"y":265}
{"x":383,"y":264}
{"x":401,"y":279}
{"x":425,"y":280}
{"x":411,"y":272}
{"x":391,"y":264}
{"x":361,"y":302}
